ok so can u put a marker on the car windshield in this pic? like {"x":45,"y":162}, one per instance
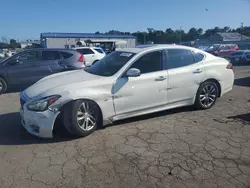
{"x":213,"y":47}
{"x":110,"y":64}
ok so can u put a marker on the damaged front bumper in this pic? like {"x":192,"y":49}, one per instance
{"x":39,"y":123}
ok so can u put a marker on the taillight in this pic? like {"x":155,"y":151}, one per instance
{"x":81,"y":59}
{"x":230,"y":66}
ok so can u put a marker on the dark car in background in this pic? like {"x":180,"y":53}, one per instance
{"x":240,"y":57}
{"x":29,"y":66}
{"x":222,"y":50}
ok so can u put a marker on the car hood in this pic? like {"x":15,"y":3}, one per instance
{"x":58,"y":80}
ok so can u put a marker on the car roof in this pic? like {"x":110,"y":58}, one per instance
{"x":142,"y":48}
{"x":87,"y":47}
{"x":51,"y":49}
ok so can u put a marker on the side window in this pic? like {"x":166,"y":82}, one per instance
{"x":225,"y":48}
{"x":232,"y":46}
{"x":28,"y":56}
{"x":85,"y":51}
{"x":66,"y":55}
{"x":179,"y":58}
{"x":99,"y":50}
{"x":198,"y":57}
{"x":150,"y":62}
{"x":50,"y":55}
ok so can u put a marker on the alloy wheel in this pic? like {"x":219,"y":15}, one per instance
{"x":208,"y":95}
{"x":86,"y":116}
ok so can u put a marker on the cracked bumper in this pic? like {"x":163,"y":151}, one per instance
{"x":38,"y":123}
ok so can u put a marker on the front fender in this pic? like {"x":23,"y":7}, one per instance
{"x":102,"y":97}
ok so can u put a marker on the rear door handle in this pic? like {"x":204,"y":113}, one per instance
{"x":161,"y":78}
{"x":197,"y":71}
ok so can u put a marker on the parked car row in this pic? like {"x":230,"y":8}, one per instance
{"x":4,"y":53}
{"x":125,"y":83}
{"x":240,"y":57}
{"x":231,"y":52}
{"x":222,"y":50}
{"x":29,"y":66}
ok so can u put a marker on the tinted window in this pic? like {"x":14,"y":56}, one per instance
{"x":150,"y":62}
{"x":225,"y":48}
{"x":233,"y":46}
{"x":29,"y":56}
{"x":198,"y":57}
{"x":99,"y":50}
{"x":85,"y":51}
{"x":110,"y":64}
{"x":50,"y":55}
{"x":179,"y":58}
{"x":66,"y":55}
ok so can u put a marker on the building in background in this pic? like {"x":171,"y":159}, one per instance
{"x":72,"y":40}
{"x":30,"y":44}
{"x":228,"y":37}
{"x":224,"y":38}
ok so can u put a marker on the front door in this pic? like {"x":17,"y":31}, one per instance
{"x":185,"y":72}
{"x":144,"y":92}
{"x":24,"y":68}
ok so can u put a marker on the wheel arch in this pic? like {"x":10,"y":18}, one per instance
{"x":67,"y":104}
{"x":217,"y":83}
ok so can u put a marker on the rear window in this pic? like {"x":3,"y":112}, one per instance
{"x":99,"y":50}
{"x":85,"y":51}
{"x":198,"y":57}
{"x":66,"y":55}
{"x":50,"y":55}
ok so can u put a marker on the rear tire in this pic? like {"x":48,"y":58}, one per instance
{"x":82,"y":117}
{"x":207,"y":95}
{"x":3,"y":86}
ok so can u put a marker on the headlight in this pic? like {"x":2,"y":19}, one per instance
{"x":42,"y":104}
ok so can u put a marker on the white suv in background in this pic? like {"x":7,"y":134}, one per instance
{"x":91,"y":54}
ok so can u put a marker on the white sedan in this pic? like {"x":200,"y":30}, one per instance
{"x":126,"y":83}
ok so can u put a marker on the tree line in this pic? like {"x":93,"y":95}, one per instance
{"x":178,"y":35}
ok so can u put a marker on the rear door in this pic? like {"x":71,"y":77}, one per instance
{"x":185,"y":72}
{"x":24,"y":68}
{"x":51,"y":63}
{"x":89,"y":55}
{"x":224,"y":50}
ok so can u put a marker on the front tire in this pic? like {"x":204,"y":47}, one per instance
{"x":207,"y":95}
{"x":3,"y":86}
{"x":82,"y":117}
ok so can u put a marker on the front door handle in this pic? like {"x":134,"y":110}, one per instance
{"x":161,"y":78}
{"x":197,"y":71}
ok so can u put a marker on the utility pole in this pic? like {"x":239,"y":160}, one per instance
{"x":180,"y":34}
{"x":241,"y":23}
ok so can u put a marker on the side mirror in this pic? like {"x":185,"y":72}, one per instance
{"x":133,"y":72}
